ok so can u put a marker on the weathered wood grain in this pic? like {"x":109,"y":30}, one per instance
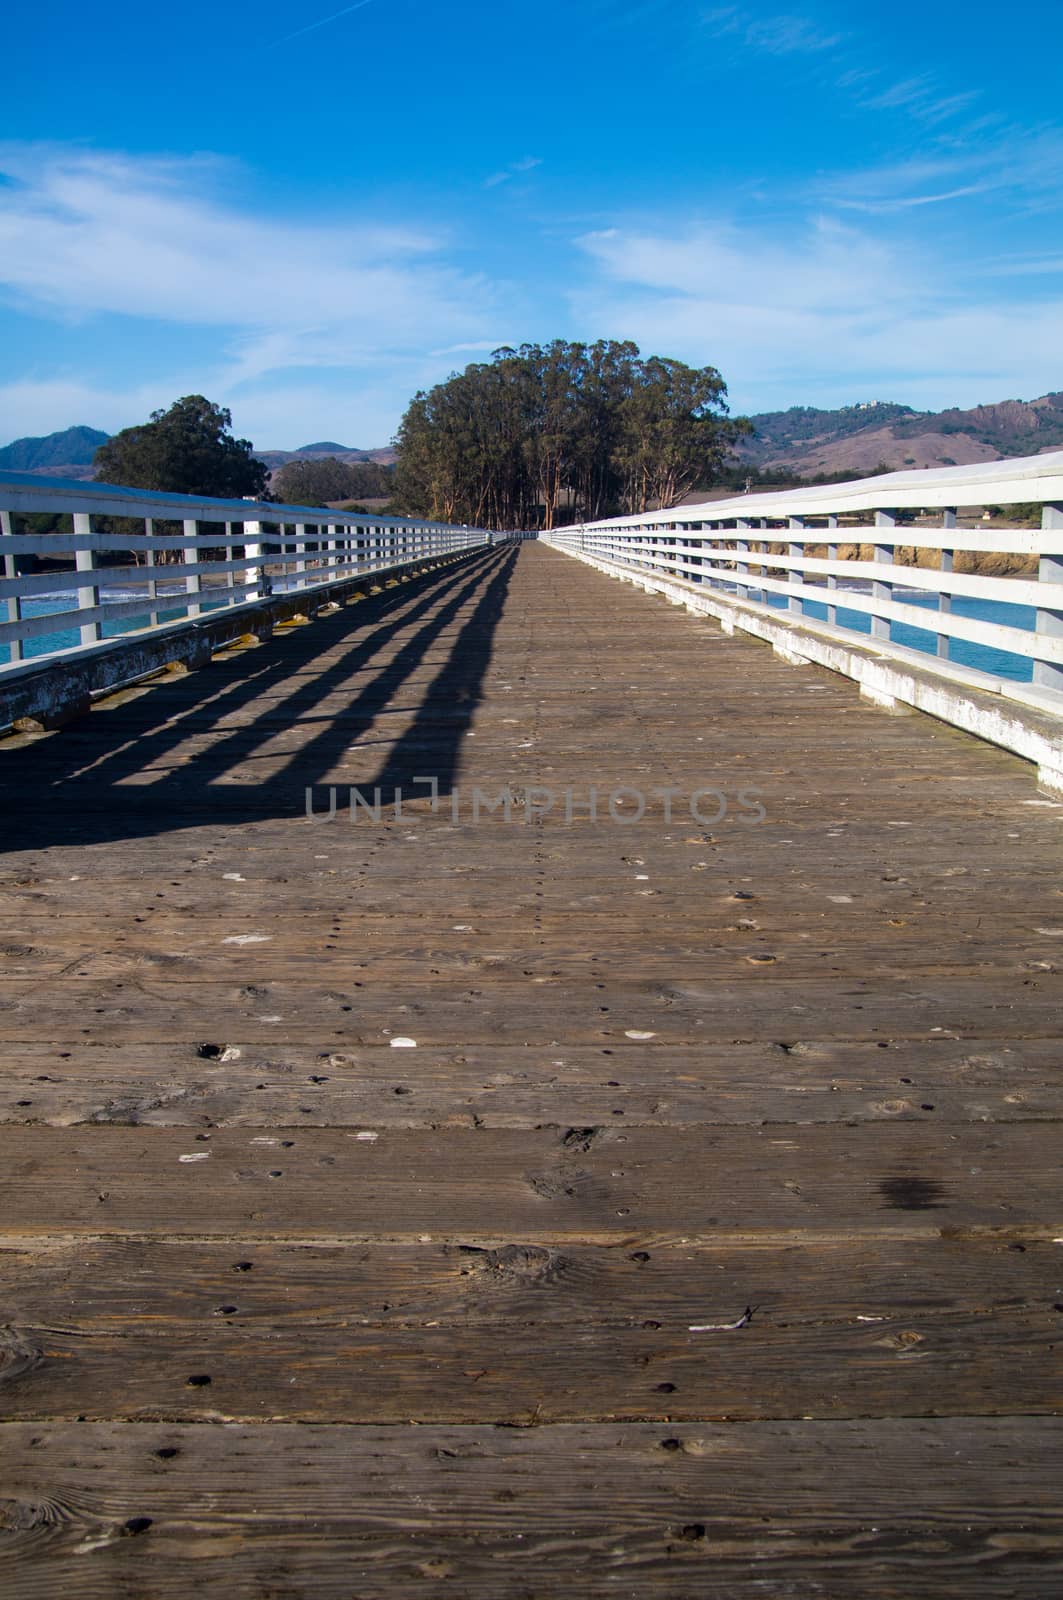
{"x":467,"y":1332}
{"x":746,"y":1004}
{"x":549,"y":1183}
{"x":225,"y":1083}
{"x":930,"y":1508}
{"x":159,"y":1285}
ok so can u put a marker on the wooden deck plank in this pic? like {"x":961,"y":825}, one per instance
{"x":934,"y":1508}
{"x":159,"y":1285}
{"x":542,"y":1184}
{"x":746,"y":1004}
{"x":212,"y":1083}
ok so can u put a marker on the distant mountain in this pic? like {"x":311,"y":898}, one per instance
{"x":803,"y":441}
{"x":275,"y":459}
{"x":859,"y":438}
{"x":54,"y":452}
{"x":70,"y":454}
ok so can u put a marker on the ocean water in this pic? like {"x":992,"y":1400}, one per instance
{"x":63,"y":602}
{"x":1001,"y":663}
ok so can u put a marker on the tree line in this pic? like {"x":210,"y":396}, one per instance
{"x":563,"y":432}
{"x":327,"y":481}
{"x":535,"y":437}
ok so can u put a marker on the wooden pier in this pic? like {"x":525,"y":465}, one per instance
{"x":661,"y":1204}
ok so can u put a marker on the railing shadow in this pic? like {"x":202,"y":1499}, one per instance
{"x":178,"y":757}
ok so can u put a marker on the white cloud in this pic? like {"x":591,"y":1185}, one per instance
{"x":778,"y":35}
{"x":473,"y":347}
{"x":514,"y":170}
{"x":910,"y":201}
{"x":824,"y":310}
{"x":1020,"y":166}
{"x":31,"y":406}
{"x":92,"y":233}
{"x":86,"y":236}
{"x":830,"y":265}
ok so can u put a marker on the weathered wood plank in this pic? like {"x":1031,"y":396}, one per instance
{"x":281,"y":950}
{"x":513,"y":1374}
{"x":467,"y":1332}
{"x":227,"y":1083}
{"x":159,"y":1285}
{"x":935,"y":1508}
{"x":750,"y":1004}
{"x":543,"y":1184}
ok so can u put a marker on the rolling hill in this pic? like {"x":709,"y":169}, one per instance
{"x":275,"y":459}
{"x":63,"y":455}
{"x":804,"y":440}
{"x":859,"y":438}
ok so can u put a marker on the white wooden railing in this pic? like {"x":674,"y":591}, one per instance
{"x":207,"y":555}
{"x":752,"y":547}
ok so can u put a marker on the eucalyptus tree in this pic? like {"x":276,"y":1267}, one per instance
{"x":544,"y":433}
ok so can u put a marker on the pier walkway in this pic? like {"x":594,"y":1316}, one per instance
{"x":661,"y":1204}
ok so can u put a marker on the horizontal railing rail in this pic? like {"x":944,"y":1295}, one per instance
{"x":206,"y":555}
{"x":795,"y":555}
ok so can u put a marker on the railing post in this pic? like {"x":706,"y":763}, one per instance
{"x":880,"y":626}
{"x":1049,"y":674}
{"x":14,"y":604}
{"x":193,"y":583}
{"x":742,"y":549}
{"x":230,"y":576}
{"x":253,"y":548}
{"x":149,"y":561}
{"x":795,"y":604}
{"x":832,"y":577}
{"x":85,"y":561}
{"x":948,"y":520}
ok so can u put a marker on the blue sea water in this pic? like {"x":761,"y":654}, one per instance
{"x":61,"y":603}
{"x":1001,"y":663}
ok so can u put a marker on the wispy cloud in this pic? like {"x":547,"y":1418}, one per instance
{"x":471,"y":347}
{"x":829,"y":311}
{"x":88,"y":235}
{"x":910,"y":202}
{"x":780,"y":35}
{"x":322,"y":22}
{"x":84,"y":232}
{"x":923,"y":97}
{"x":1021,"y":167}
{"x":514,"y":170}
{"x":843,"y":62}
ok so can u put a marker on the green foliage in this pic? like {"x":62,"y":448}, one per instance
{"x":744,"y":478}
{"x":185,"y":450}
{"x":1026,"y":512}
{"x":318,"y":483}
{"x":778,"y":430}
{"x":555,"y":433}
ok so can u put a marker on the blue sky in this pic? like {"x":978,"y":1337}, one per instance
{"x":307,"y":214}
